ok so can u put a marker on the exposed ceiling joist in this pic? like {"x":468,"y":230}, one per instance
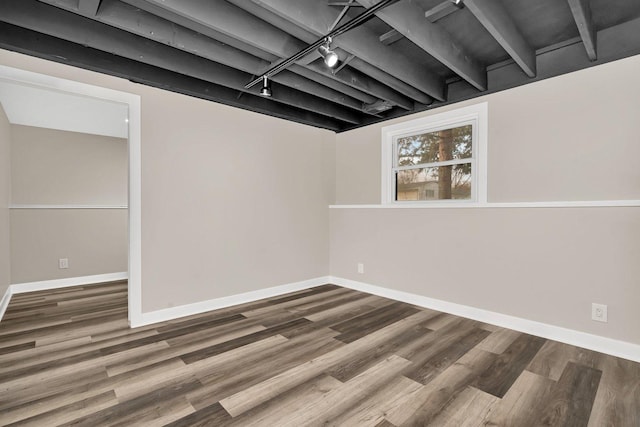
{"x":408,"y":19}
{"x":404,"y":90}
{"x":144,"y":24}
{"x":496,"y":20}
{"x":47,"y":47}
{"x":582,"y":15}
{"x":74,"y":28}
{"x":212,"y":49}
{"x":88,"y":7}
{"x":221,"y":17}
{"x":390,"y":37}
{"x":445,"y":8}
{"x":316,"y":17}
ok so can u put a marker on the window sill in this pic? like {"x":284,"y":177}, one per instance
{"x":472,"y":205}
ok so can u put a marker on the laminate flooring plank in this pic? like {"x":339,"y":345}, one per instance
{"x":358,"y":362}
{"x":571,"y":400}
{"x":385,"y":423}
{"x":66,"y":413}
{"x":370,"y":302}
{"x":274,"y":412}
{"x":508,"y":366}
{"x":198,"y":342}
{"x":241,"y":341}
{"x":468,"y":409}
{"x":422,"y":407}
{"x":442,"y":355}
{"x":51,"y":395}
{"x":367,"y":323}
{"x":419,"y":349}
{"x":266,"y":390}
{"x":212,"y":415}
{"x":17,"y":348}
{"x":291,"y":302}
{"x":372,"y":411}
{"x":317,"y":412}
{"x":250,"y":371}
{"x":142,"y":409}
{"x":522,"y":405}
{"x":617,"y":401}
{"x":304,"y":310}
{"x":61,"y":368}
{"x":499,"y":340}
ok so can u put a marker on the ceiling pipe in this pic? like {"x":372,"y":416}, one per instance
{"x":358,"y":20}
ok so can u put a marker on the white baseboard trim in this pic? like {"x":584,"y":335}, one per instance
{"x":4,"y":303}
{"x":601,"y":344}
{"x":19,"y":288}
{"x":217,"y":303}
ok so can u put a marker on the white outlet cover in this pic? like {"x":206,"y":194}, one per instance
{"x":360,"y":268}
{"x":599,"y":312}
{"x":63,"y":263}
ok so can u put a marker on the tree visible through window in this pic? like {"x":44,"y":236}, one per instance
{"x":434,"y":165}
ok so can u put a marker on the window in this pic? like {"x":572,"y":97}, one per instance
{"x":436,"y":159}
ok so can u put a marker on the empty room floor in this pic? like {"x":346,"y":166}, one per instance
{"x":322,"y":356}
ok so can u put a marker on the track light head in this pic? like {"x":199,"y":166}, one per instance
{"x":266,"y":88}
{"x":330,"y":57}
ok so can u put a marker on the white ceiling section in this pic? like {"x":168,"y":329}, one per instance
{"x":38,"y":107}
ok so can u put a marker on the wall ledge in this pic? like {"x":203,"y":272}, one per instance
{"x":68,"y":207}
{"x":472,"y":205}
{"x":597,"y":343}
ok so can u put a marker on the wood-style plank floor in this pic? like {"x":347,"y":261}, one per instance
{"x":322,"y":356}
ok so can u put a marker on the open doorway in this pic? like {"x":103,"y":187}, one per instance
{"x":58,"y":117}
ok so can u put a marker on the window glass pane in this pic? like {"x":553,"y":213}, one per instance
{"x":438,"y":146}
{"x":436,"y":183}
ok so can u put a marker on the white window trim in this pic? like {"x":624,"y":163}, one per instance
{"x":477,"y":113}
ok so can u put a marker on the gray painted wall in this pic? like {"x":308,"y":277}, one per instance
{"x":548,"y":141}
{"x":5,"y":200}
{"x":53,"y":167}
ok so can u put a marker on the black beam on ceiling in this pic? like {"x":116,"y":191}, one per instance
{"x":614,"y":43}
{"x":68,"y":26}
{"x":32,"y":43}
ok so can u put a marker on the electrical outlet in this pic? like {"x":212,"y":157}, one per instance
{"x":598,"y":312}
{"x":360,"y":268}
{"x":63,"y":263}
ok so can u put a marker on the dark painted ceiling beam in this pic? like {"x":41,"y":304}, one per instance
{"x":221,"y":18}
{"x":614,"y":43}
{"x":41,"y":17}
{"x":582,"y":15}
{"x":390,"y":37}
{"x":356,"y":63}
{"x":32,"y":43}
{"x":144,"y":24}
{"x":408,"y":19}
{"x":445,"y":8}
{"x":494,"y":17}
{"x":88,"y":7}
{"x":316,"y":17}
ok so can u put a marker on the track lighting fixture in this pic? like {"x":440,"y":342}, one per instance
{"x":330,"y":57}
{"x":266,"y":88}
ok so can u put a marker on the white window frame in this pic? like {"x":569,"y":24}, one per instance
{"x":477,"y":116}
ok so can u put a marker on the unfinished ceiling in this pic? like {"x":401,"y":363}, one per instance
{"x":410,"y":56}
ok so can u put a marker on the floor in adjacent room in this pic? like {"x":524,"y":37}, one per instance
{"x":322,"y":356}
